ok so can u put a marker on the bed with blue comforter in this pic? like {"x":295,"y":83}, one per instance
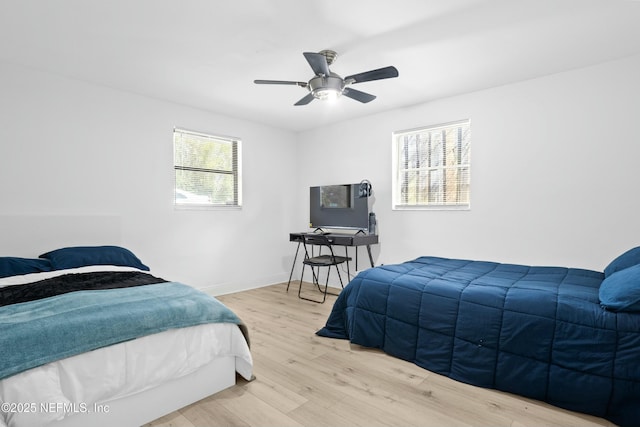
{"x":566,"y":336}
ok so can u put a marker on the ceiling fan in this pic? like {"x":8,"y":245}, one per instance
{"x":327,"y":85}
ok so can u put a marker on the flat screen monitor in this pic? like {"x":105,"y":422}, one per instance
{"x":338,"y":206}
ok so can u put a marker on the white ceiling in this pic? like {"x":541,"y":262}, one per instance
{"x":206,"y":53}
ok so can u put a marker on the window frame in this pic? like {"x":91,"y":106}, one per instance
{"x":397,"y":169}
{"x":235,"y":172}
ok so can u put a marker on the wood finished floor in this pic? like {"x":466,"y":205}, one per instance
{"x":306,"y":380}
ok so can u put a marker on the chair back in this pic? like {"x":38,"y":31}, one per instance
{"x":314,"y":239}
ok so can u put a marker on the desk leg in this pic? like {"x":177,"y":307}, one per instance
{"x":346,"y":254}
{"x":293,"y":266}
{"x":316,"y":278}
{"x":370,"y":256}
{"x":368,"y":253}
{"x":356,"y":258}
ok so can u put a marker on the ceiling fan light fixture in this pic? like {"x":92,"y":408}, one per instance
{"x":326,"y":88}
{"x":327,"y":94}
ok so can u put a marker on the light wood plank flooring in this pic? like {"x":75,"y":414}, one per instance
{"x":306,"y":380}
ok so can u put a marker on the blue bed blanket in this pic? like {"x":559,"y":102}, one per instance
{"x":539,"y":332}
{"x":38,"y":332}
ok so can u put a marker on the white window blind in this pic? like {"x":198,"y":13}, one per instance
{"x":431,"y":167}
{"x":207,"y":169}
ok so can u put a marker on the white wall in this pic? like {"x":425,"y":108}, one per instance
{"x":554,"y":174}
{"x":554,"y":171}
{"x":71,"y":149}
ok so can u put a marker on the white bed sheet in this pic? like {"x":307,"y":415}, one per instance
{"x":90,"y":380}
{"x":34,"y":277}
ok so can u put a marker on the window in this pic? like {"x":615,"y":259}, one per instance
{"x":207,"y":169}
{"x":431,"y":167}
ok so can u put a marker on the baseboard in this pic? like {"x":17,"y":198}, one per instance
{"x":230,"y":288}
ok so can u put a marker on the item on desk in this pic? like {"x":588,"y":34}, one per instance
{"x":365,"y":189}
{"x":372,"y":223}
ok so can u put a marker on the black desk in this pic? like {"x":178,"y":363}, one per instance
{"x":338,"y":239}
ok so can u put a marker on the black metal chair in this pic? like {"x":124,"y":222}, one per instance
{"x":327,"y":260}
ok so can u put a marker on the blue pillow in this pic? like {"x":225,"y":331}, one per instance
{"x":13,"y":266}
{"x":621,"y":290}
{"x":626,"y":260}
{"x":81,"y":256}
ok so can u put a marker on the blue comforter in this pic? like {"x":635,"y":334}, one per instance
{"x":535,"y":331}
{"x":38,"y":332}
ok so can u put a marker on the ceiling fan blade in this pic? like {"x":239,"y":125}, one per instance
{"x":307,"y":99}
{"x":357,"y":95}
{"x":279,"y":82}
{"x":318,"y":63}
{"x":367,"y":76}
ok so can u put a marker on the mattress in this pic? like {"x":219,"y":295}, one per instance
{"x":89,"y":381}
